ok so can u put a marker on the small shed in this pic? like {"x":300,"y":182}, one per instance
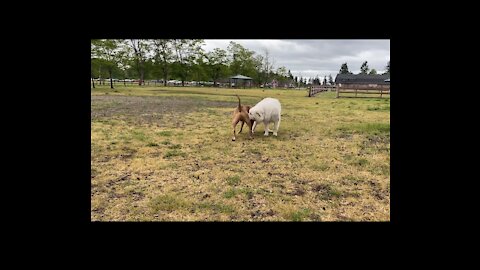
{"x":240,"y":81}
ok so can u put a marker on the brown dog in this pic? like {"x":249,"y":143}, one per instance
{"x":241,"y":115}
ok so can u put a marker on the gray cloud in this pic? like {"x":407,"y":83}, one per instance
{"x":309,"y":58}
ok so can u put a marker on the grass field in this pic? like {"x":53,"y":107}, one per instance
{"x":165,"y":154}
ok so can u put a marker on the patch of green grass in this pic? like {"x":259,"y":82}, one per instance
{"x":320,"y":167}
{"x":379,"y":108}
{"x":380,"y":170}
{"x":174,"y":153}
{"x":353,"y":178}
{"x":175,"y":146}
{"x":355,"y":161}
{"x":298,"y":215}
{"x":165,"y":142}
{"x":367,"y":128}
{"x":233,"y":180}
{"x":256,"y":151}
{"x":166,"y":203}
{"x":360,"y":162}
{"x":326,"y":191}
{"x":152,"y":144}
{"x":138,"y":135}
{"x":165,"y":133}
{"x":335,"y":193}
{"x":248,"y":192}
{"x":222,"y":208}
{"x":230,"y":193}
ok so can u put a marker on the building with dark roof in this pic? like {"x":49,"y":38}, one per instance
{"x":363,"y":79}
{"x":240,"y":80}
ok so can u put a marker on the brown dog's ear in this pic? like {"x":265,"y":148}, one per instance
{"x":248,"y":108}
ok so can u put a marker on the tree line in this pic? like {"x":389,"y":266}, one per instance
{"x":364,"y":69}
{"x":180,"y":59}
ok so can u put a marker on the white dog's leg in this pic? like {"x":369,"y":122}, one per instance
{"x":254,"y":126}
{"x":266,"y":128}
{"x":277,"y":125}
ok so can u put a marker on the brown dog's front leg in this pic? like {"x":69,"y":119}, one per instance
{"x":249,"y":124}
{"x":241,"y":127}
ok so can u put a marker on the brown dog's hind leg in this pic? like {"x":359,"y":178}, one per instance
{"x":234,"y":125}
{"x":241,"y":127}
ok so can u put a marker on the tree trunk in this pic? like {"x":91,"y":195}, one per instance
{"x":99,"y":75}
{"x":93,"y":81}
{"x":111,"y":80}
{"x":142,"y":71}
{"x":165,"y":75}
{"x":141,"y":79}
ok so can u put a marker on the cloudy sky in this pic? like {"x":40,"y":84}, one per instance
{"x":310,"y":57}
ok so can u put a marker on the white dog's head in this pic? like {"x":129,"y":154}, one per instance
{"x":255,"y":115}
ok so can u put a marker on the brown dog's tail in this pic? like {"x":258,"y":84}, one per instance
{"x":239,"y":106}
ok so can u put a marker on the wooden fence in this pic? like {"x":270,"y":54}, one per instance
{"x":363,"y":89}
{"x":313,"y":90}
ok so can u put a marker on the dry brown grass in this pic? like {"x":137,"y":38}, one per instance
{"x":166,"y":154}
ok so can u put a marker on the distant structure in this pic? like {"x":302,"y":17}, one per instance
{"x":240,"y":81}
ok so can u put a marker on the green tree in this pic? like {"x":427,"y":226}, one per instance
{"x":124,"y":59}
{"x":187,"y":53}
{"x":217,"y":64}
{"x":109,"y":51}
{"x":388,"y":68}
{"x":364,"y":68}
{"x":325,"y":80}
{"x":373,"y":72}
{"x":281,"y":75}
{"x":93,"y":61}
{"x":243,"y":61}
{"x":344,"y":69}
{"x":164,"y":56}
{"x":267,"y":67}
{"x":330,"y":79}
{"x":141,"y":48}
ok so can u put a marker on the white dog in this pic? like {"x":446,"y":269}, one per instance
{"x":267,"y":111}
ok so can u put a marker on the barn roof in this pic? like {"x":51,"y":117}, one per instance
{"x":363,"y":78}
{"x":241,"y":77}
